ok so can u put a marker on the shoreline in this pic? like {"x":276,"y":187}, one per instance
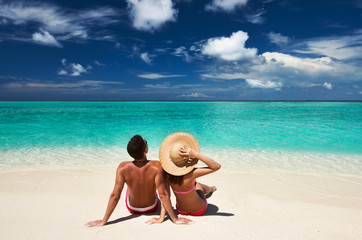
{"x":43,"y":203}
{"x":230,"y":159}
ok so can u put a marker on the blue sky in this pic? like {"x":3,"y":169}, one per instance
{"x":180,"y":50}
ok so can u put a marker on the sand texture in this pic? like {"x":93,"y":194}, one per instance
{"x":56,"y":203}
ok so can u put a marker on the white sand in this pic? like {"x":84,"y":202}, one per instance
{"x":55,"y":204}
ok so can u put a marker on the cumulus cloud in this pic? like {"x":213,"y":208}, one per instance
{"x":195,"y":95}
{"x":45,"y":38}
{"x":229,"y":48}
{"x":72,"y":69}
{"x":307,"y":65}
{"x":255,"y":83}
{"x":278,"y":39}
{"x":314,"y":65}
{"x":158,"y":76}
{"x":55,"y":22}
{"x":146,"y":58}
{"x":149,"y":15}
{"x":225,"y":5}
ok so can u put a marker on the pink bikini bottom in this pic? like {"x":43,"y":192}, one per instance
{"x":203,"y":210}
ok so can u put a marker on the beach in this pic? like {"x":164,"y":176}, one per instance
{"x":290,"y":170}
{"x":44,"y":203}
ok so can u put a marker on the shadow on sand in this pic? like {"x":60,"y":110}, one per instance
{"x":131,"y":216}
{"x":213,"y":210}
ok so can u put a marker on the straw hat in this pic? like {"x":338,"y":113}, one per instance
{"x":169,"y":156}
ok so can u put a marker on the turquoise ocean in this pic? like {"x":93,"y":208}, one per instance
{"x":288,"y":136}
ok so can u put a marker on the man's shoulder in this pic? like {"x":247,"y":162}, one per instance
{"x":155,"y":163}
{"x":124,"y":164}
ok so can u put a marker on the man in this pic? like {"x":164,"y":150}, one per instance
{"x":142,"y":177}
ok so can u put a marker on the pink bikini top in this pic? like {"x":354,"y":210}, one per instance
{"x":186,"y":191}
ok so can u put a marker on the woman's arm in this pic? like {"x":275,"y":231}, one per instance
{"x":212,"y":165}
{"x":159,"y":219}
{"x":164,"y":195}
{"x":163,"y":210}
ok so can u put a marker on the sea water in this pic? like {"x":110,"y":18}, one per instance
{"x":304,"y":136}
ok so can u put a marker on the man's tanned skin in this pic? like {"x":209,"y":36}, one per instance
{"x":142,"y":177}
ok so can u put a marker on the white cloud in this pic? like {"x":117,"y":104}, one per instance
{"x":145,"y":57}
{"x":225,"y":5}
{"x":99,"y":63}
{"x":159,"y":86}
{"x":256,"y":18}
{"x":195,"y":95}
{"x":182,"y":52}
{"x":325,"y":85}
{"x":62,"y":72}
{"x":328,"y":85}
{"x":72,"y":69}
{"x":278,"y":39}
{"x":308,"y":65}
{"x":310,"y":68}
{"x":158,"y":76}
{"x":255,"y":83}
{"x":229,"y":48}
{"x":227,"y":76}
{"x":45,"y":38}
{"x":345,"y":47}
{"x":60,"y":23}
{"x":66,"y":87}
{"x":149,"y":15}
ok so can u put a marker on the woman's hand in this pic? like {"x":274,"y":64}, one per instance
{"x":178,"y":220}
{"x":187,"y":153}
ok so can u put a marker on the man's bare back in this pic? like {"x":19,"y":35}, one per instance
{"x":140,"y":179}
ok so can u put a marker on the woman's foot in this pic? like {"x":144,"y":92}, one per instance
{"x":212,"y":190}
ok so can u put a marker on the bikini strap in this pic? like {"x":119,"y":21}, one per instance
{"x":186,"y":191}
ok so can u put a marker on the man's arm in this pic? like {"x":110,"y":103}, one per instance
{"x":165,"y":199}
{"x":112,"y":202}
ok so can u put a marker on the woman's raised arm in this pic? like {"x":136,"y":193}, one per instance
{"x":213,"y":166}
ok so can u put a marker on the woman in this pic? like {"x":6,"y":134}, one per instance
{"x":179,"y":154}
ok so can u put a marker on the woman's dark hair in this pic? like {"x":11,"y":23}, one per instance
{"x":136,"y":147}
{"x":178,"y":180}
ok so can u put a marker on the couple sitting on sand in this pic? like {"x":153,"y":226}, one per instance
{"x":179,"y":153}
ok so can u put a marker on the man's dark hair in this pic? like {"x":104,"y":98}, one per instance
{"x":136,"y":147}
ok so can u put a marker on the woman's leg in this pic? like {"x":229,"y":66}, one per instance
{"x":205,"y":188}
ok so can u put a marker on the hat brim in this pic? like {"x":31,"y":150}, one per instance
{"x":178,"y":139}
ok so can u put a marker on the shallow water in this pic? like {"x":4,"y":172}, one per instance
{"x":96,"y":133}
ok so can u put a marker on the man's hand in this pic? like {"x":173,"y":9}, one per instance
{"x":154,"y":220}
{"x":96,"y":223}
